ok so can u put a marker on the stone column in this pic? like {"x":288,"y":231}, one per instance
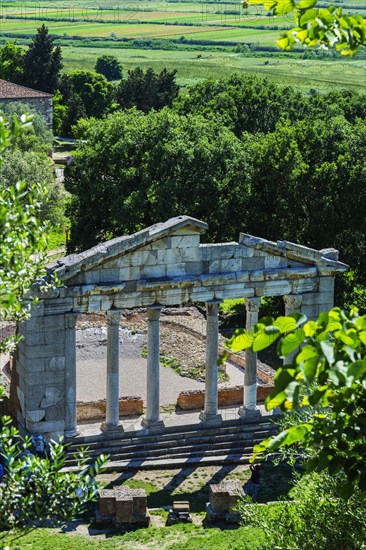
{"x":111,"y":422}
{"x":152,"y":420}
{"x":210,"y":414}
{"x":292,"y":305}
{"x":249,"y":409}
{"x":70,"y":375}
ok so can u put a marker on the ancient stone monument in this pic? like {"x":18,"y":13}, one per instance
{"x":122,"y":505}
{"x":224,"y":497}
{"x":163,"y":265}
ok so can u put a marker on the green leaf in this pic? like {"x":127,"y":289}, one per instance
{"x":283,"y":7}
{"x":265,"y":338}
{"x":285,"y":324}
{"x":275,"y":399}
{"x":328,"y":350}
{"x":307,"y":352}
{"x":290,"y":342}
{"x":240,"y":340}
{"x":308,"y":368}
{"x":357,"y":369}
{"x":292,"y":392}
{"x":305,"y":4}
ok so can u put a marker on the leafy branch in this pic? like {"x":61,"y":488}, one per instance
{"x":327,"y":377}
{"x":326,"y":27}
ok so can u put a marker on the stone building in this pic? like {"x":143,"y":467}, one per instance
{"x":39,"y":101}
{"x":163,"y":265}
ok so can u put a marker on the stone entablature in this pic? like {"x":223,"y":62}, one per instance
{"x":166,"y":264}
{"x":163,"y":265}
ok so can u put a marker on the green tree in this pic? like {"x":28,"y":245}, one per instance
{"x":243,"y":103}
{"x":35,"y":168}
{"x":36,"y":137}
{"x":12,"y":62}
{"x":328,"y":377}
{"x":23,"y":238}
{"x":148,"y":90}
{"x":134,"y":170}
{"x":94,"y":91}
{"x":109,"y":66}
{"x":42,"y":62}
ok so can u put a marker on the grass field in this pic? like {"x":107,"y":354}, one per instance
{"x":193,"y":66}
{"x":208,"y":24}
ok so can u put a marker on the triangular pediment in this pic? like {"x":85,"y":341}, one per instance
{"x":171,"y":252}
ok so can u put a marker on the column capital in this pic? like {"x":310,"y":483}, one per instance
{"x":293,"y":301}
{"x":253,"y":304}
{"x":113,"y":316}
{"x":70,"y":320}
{"x":153,"y":313}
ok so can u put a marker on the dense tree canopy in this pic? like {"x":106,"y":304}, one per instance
{"x":11,"y":62}
{"x":109,"y":66}
{"x":147,"y":90}
{"x":136,"y":169}
{"x":42,"y":62}
{"x":304,"y":168}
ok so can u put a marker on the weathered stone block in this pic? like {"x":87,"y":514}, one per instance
{"x":175,"y":270}
{"x":254,"y":263}
{"x":223,"y":266}
{"x":194,"y":268}
{"x":57,"y":426}
{"x":57,"y":306}
{"x":45,"y":350}
{"x":108,"y":275}
{"x":275,"y":261}
{"x":56,"y":363}
{"x":273,"y":288}
{"x":326,"y":284}
{"x":145,"y":257}
{"x":152,"y":272}
{"x":129,"y":273}
{"x":107,"y":502}
{"x":35,"y":416}
{"x":55,"y":412}
{"x":185,"y":241}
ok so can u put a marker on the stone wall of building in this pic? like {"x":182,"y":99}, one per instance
{"x":194,"y":399}
{"x":164,"y":265}
{"x":96,"y":410}
{"x":43,"y":106}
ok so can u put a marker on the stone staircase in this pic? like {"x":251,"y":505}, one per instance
{"x":178,"y":446}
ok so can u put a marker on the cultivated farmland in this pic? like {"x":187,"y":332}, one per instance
{"x":199,"y":39}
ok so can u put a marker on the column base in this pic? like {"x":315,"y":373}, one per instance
{"x":210,"y":419}
{"x":153,"y":426}
{"x":111,"y":428}
{"x":71,"y":433}
{"x":249,"y":415}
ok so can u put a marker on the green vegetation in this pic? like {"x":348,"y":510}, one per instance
{"x":148,"y":90}
{"x":225,"y":36}
{"x":243,"y":147}
{"x":324,"y":385}
{"x":316,"y":24}
{"x":109,"y":66}
{"x":22,"y":236}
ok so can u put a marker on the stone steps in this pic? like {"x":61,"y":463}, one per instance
{"x":234,"y":443}
{"x":178,"y":432}
{"x":155,"y":443}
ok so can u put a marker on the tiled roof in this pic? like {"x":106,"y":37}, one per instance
{"x":9,"y":90}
